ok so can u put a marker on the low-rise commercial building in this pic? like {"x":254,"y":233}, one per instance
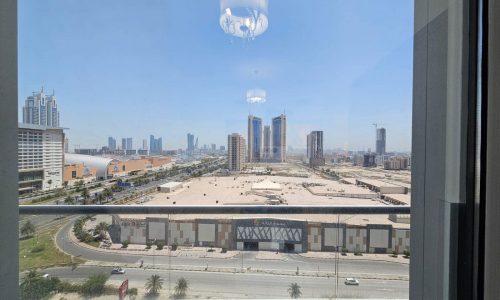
{"x":396,"y":163}
{"x":79,"y":171}
{"x":381,"y":186}
{"x":144,"y":164}
{"x":263,"y":234}
{"x":170,"y":187}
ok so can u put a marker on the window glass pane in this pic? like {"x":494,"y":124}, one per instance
{"x":254,"y":103}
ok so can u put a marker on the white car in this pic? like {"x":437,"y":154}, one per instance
{"x":46,"y":276}
{"x":351,"y":281}
{"x":118,"y":271}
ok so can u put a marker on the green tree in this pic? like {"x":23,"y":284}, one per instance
{"x":181,"y":287}
{"x":154,"y":284}
{"x":85,"y":194}
{"x":94,"y":285}
{"x":132,"y":293}
{"x":69,"y":200}
{"x":294,"y":291}
{"x":101,"y":229}
{"x":34,"y":286}
{"x":107,"y":193}
{"x":28,"y":229}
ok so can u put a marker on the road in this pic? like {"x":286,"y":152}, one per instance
{"x":245,"y":285}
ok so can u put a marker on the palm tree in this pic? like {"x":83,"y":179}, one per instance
{"x":153,"y":284}
{"x":85,"y":195}
{"x":28,"y":286}
{"x":101,"y":229}
{"x":69,"y":200}
{"x":294,"y":291}
{"x":181,"y":287}
{"x":28,"y":229}
{"x":30,"y":277}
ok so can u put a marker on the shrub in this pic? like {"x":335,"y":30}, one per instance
{"x":160,"y":245}
{"x":148,"y":245}
{"x":174,"y":246}
{"x":406,"y":253}
{"x":132,"y":292}
{"x":94,"y":285}
{"x":33,"y":286}
{"x":38,"y":248}
{"x":125,"y":243}
{"x":357,"y":253}
{"x":394,"y":253}
{"x":344,"y":251}
{"x":68,"y":287}
{"x":224,"y":249}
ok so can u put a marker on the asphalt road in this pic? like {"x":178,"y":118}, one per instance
{"x":245,"y":285}
{"x":231,"y":285}
{"x":290,"y":263}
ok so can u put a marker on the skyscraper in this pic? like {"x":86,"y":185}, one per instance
{"x":111,"y":144}
{"x":144,"y":144}
{"x":279,"y":138}
{"x":266,"y":151}
{"x":235,"y":151}
{"x":127,"y":144}
{"x":254,"y":138}
{"x":41,"y":109}
{"x":190,"y":143}
{"x":155,"y":145}
{"x":315,"y":149}
{"x":380,"y":143}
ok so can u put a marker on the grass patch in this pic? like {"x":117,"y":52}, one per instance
{"x":93,"y":243}
{"x":40,"y":251}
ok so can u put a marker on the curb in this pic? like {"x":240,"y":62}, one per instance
{"x":359,"y":259}
{"x":258,"y":271}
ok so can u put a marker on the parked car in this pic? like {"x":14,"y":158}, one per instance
{"x":118,"y":271}
{"x":46,"y":276}
{"x":351,"y":281}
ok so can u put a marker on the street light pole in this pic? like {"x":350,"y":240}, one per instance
{"x":337,"y":258}
{"x":241,"y":251}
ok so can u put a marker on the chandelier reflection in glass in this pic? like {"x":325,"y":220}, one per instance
{"x":256,"y":96}
{"x":244,"y":18}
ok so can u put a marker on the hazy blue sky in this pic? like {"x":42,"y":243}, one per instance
{"x":133,"y":68}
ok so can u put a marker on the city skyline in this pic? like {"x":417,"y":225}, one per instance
{"x":341,"y":81}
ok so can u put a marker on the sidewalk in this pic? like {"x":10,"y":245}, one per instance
{"x":134,"y":249}
{"x":350,"y":256}
{"x":209,"y":268}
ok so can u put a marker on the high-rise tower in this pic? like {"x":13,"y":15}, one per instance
{"x":315,"y":149}
{"x":235,"y":152}
{"x":279,"y":138}
{"x":266,"y":151}
{"x":190,"y":143}
{"x":380,"y":142}
{"x":41,"y":109}
{"x":254,"y":138}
